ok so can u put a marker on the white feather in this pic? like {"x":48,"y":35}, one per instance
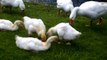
{"x":64,"y":31}
{"x":35,"y":25}
{"x":91,"y":9}
{"x":8,"y":25}
{"x":30,"y":43}
{"x":65,"y":5}
{"x":13,"y":3}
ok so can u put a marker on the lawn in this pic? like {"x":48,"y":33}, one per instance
{"x":91,"y":45}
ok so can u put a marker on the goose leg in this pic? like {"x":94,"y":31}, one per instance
{"x":91,"y":22}
{"x":59,"y":12}
{"x":0,"y":8}
{"x":58,"y":41}
{"x":22,"y":12}
{"x":10,"y":8}
{"x":100,"y":21}
{"x":29,"y":34}
{"x":68,"y":43}
{"x":2,"y":30}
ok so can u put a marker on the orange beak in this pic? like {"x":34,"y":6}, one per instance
{"x":71,"y":22}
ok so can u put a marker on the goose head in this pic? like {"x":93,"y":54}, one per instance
{"x":71,"y":22}
{"x":18,"y":23}
{"x":22,"y":12}
{"x":73,"y":15}
{"x":42,"y":35}
{"x":51,"y":31}
{"x":48,"y":42}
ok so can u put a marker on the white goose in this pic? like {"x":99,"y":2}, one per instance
{"x":65,"y":5}
{"x":13,"y":3}
{"x":35,"y":25}
{"x":64,"y":32}
{"x":8,"y":25}
{"x":91,"y":9}
{"x":30,"y":43}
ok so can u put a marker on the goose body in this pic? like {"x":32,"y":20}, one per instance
{"x":13,"y":3}
{"x":91,"y":9}
{"x":64,"y":31}
{"x":65,"y":5}
{"x":30,"y":43}
{"x":8,"y":25}
{"x":35,"y":25}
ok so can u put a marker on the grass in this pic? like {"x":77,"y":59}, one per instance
{"x":92,"y":44}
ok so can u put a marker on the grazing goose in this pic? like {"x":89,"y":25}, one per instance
{"x":30,"y":43}
{"x":35,"y":25}
{"x":8,"y":25}
{"x":91,"y":9}
{"x":64,"y":32}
